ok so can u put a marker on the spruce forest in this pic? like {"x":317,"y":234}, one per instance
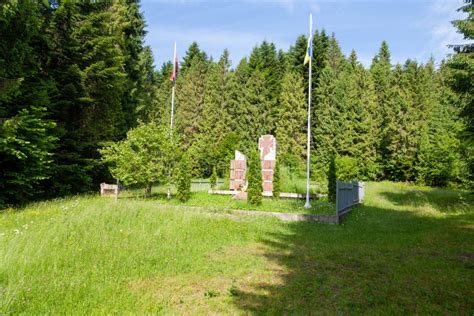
{"x":76,"y":75}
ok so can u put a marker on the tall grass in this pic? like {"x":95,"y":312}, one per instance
{"x":408,"y":250}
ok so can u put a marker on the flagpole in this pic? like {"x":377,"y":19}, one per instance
{"x":172,"y":90}
{"x":172,"y":116}
{"x":308,"y":143}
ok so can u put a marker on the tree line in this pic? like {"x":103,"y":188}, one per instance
{"x":75,"y":76}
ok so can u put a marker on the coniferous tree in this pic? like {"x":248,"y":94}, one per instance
{"x":213,"y":178}
{"x":296,"y":54}
{"x":362,"y":116}
{"x":253,"y":118}
{"x":439,"y":160}
{"x":193,"y":55}
{"x":382,"y":76}
{"x":332,"y":178}
{"x":159,"y":109}
{"x":183,"y":182}
{"x":254,"y":178}
{"x":291,"y":119}
{"x":27,"y":139}
{"x":216,"y":120}
{"x":190,"y":92}
{"x":460,"y":76}
{"x":276,"y":180}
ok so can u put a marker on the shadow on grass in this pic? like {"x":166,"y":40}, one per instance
{"x":378,"y":261}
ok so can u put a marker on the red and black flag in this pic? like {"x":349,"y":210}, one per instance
{"x":174,"y":72}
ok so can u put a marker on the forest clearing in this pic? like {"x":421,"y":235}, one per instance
{"x":408,"y":249}
{"x":216,"y":157}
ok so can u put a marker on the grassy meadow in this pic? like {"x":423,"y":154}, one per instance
{"x":408,"y":249}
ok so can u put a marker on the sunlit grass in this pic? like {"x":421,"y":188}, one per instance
{"x":408,"y":250}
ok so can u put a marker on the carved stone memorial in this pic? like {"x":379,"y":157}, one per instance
{"x":238,"y":166}
{"x":238,"y":170}
{"x":267,"y":147}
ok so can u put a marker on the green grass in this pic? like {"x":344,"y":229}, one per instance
{"x":408,"y":250}
{"x":201,"y":197}
{"x":217,"y":201}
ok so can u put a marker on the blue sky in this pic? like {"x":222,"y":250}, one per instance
{"x":415,"y":29}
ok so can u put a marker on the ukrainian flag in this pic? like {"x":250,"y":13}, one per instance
{"x":309,"y":51}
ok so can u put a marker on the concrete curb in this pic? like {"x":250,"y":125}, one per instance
{"x":291,"y":217}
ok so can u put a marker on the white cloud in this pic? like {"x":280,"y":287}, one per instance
{"x":442,"y":33}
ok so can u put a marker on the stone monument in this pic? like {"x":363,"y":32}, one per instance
{"x":238,"y":170}
{"x":238,"y":166}
{"x":267,"y":147}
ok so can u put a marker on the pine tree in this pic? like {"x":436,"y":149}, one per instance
{"x":410,"y":101}
{"x":320,"y":55}
{"x":276,"y":180}
{"x":183,"y":182}
{"x":264,"y":65}
{"x":296,"y":55}
{"x":159,"y":109}
{"x":216,"y":120}
{"x":254,"y":177}
{"x":291,"y":119}
{"x":190,"y":92}
{"x":362,"y":116}
{"x":382,"y":77}
{"x":460,"y":76}
{"x":193,"y":55}
{"x":332,"y":178}
{"x":439,"y":160}
{"x":253,"y":118}
{"x":27,"y":137}
{"x":213,"y":178}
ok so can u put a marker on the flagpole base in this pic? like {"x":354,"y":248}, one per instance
{"x":307,"y":205}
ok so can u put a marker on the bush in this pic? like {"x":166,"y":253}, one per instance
{"x":347,"y":168}
{"x":254,"y":176}
{"x":332,"y":178}
{"x":276,"y":180}
{"x":183,"y":182}
{"x":213,"y":178}
{"x":141,"y":158}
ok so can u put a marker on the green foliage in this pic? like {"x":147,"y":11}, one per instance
{"x":460,"y":74}
{"x":97,"y":243}
{"x":190,"y":88}
{"x":213,"y":178}
{"x":142,"y":158}
{"x":332,"y":178}
{"x":183,"y":181}
{"x":276,"y":180}
{"x":85,"y":65}
{"x":254,"y":178}
{"x":347,"y":168}
{"x":25,"y":154}
{"x":290,"y":121}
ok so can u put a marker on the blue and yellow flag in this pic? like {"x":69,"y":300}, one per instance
{"x":309,"y":51}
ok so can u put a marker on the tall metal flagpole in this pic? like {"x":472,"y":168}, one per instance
{"x":308,"y":152}
{"x":172,"y":91}
{"x":172,"y":115}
